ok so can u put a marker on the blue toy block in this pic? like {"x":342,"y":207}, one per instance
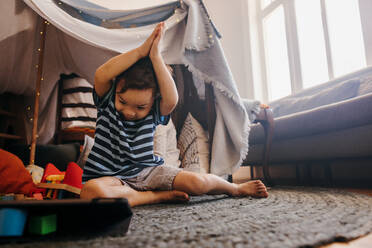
{"x":12,"y":221}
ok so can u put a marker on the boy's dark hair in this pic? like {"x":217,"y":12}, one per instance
{"x":140,"y":75}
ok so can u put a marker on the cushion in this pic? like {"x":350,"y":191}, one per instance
{"x":59,"y":155}
{"x":338,"y":92}
{"x":78,"y":109}
{"x":194,"y":146}
{"x":88,"y":144}
{"x":165,"y":144}
{"x":365,"y":86}
{"x":14,"y":176}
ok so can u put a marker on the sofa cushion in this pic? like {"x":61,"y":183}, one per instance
{"x":329,"y":118}
{"x":336,"y":93}
{"x":365,"y":86}
{"x":352,"y":142}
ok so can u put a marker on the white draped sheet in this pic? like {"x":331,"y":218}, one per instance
{"x":73,"y":45}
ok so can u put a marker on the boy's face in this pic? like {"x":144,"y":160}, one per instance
{"x":134,"y":104}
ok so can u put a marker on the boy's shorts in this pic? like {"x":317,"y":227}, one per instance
{"x":153,"y":178}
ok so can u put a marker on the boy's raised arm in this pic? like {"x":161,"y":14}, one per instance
{"x":167,"y":87}
{"x":116,"y":65}
{"x":112,"y":68}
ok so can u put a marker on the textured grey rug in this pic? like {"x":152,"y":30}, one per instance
{"x":289,"y":217}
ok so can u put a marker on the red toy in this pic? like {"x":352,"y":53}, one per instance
{"x":70,"y":180}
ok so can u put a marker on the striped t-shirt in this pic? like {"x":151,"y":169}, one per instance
{"x":122,"y":148}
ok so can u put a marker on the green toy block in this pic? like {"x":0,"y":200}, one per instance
{"x":42,"y":224}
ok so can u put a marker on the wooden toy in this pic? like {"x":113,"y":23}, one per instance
{"x":54,"y":180}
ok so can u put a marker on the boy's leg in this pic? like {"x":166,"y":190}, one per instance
{"x":111,"y":187}
{"x":198,"y":184}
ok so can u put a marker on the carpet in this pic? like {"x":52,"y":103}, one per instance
{"x":289,"y":217}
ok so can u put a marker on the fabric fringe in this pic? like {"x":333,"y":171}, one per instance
{"x":236,"y":100}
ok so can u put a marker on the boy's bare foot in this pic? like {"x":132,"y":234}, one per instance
{"x":176,"y":196}
{"x":252,"y":188}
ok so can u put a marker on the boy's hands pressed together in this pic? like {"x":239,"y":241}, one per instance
{"x":155,"y":47}
{"x":144,"y":49}
{"x":116,"y":65}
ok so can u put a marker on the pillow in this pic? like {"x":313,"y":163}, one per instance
{"x":194,"y":146}
{"x":78,"y":109}
{"x":14,"y":176}
{"x":339,"y":92}
{"x":165,"y":144}
{"x":87,"y":147}
{"x":365,"y":86}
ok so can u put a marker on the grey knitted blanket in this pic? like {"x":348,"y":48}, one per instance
{"x":289,"y":217}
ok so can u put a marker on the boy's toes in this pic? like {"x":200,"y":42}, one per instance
{"x":180,"y":196}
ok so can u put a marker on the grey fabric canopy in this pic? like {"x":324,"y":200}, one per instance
{"x":82,"y":35}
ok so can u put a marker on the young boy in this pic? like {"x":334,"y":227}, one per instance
{"x":122,"y":162}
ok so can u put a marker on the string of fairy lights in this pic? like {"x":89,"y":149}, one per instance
{"x":40,"y":79}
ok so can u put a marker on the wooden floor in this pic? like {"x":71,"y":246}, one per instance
{"x":362,"y":242}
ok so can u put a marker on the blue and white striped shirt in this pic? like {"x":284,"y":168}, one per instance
{"x":122,"y":148}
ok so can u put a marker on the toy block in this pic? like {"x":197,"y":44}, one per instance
{"x":12,"y":221}
{"x":42,"y":225}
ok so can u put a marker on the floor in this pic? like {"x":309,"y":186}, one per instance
{"x":363,"y":242}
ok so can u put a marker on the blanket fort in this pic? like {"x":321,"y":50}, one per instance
{"x":82,"y":35}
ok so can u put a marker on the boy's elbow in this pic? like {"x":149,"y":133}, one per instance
{"x":98,"y":75}
{"x":171,"y":107}
{"x":174,"y":103}
{"x":168,"y":107}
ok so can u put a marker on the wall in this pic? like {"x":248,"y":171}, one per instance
{"x":232,"y":22}
{"x":365,"y":7}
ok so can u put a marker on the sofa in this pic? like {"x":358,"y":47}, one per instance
{"x":323,"y":132}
